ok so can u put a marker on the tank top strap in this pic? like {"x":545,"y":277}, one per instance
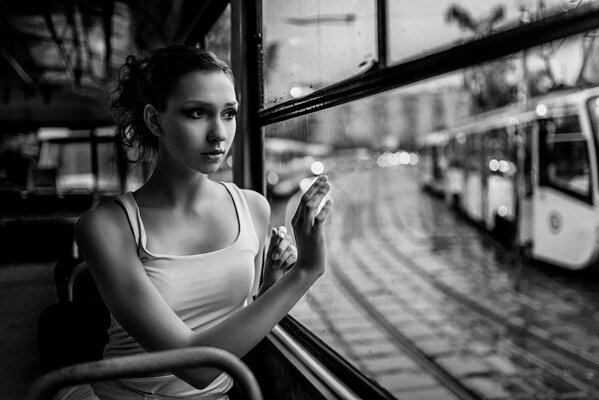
{"x":128,"y":204}
{"x":243,"y":211}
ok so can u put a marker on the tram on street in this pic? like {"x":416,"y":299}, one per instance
{"x":323,"y":88}
{"x":528,"y":172}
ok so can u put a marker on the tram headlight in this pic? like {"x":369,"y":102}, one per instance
{"x":494,"y":165}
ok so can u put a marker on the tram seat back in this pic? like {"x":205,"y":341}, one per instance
{"x":74,"y":330}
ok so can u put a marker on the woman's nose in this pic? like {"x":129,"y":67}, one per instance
{"x":218,"y":133}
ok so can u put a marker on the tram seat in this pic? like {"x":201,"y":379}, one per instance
{"x":74,"y":330}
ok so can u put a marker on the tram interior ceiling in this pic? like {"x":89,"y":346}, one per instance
{"x":57,"y":60}
{"x":56,"y":57}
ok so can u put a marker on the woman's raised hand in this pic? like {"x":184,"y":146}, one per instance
{"x":308,"y":227}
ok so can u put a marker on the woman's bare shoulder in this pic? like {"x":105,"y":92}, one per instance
{"x":106,"y":223}
{"x":257,"y":203}
{"x":260,"y":212}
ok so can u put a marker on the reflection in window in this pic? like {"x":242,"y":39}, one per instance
{"x":447,"y":22}
{"x":311,"y":44}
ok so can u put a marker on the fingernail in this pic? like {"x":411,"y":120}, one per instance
{"x":275,"y":256}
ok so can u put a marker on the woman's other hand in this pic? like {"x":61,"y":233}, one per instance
{"x":281,"y":254}
{"x":308,"y":227}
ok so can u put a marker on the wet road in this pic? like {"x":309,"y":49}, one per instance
{"x":432,"y":308}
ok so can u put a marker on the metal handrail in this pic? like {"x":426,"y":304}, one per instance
{"x":46,"y":386}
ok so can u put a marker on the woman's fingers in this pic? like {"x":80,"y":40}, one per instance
{"x":322,"y":214}
{"x":283,"y":254}
{"x":312,"y":207}
{"x":308,"y":196}
{"x":286,"y":259}
{"x":281,"y":247}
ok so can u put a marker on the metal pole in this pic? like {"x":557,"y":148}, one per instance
{"x":48,"y":385}
{"x":246,"y":57}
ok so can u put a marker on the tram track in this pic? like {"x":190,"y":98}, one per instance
{"x":518,"y":350}
{"x":427,"y":363}
{"x":515,"y":325}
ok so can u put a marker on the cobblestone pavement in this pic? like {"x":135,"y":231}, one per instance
{"x":413,"y":289}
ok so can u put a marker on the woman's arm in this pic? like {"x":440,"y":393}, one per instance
{"x":105,"y":240}
{"x":268,"y":271}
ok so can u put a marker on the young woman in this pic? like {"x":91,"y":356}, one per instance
{"x":179,"y":260}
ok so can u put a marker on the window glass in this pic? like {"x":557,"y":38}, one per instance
{"x":309,"y":44}
{"x":380,"y":225}
{"x":447,"y":22}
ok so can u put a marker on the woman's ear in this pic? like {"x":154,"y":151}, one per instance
{"x":152,"y":120}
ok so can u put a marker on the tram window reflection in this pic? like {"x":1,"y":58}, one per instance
{"x":306,"y":44}
{"x":566,"y":156}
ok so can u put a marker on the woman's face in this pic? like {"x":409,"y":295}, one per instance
{"x":198,"y":124}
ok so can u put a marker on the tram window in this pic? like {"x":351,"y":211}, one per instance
{"x":564,"y":156}
{"x":447,"y":22}
{"x":455,"y":153}
{"x":593,"y":109}
{"x":306,"y":46}
{"x":526,"y":134}
{"x":473,"y":151}
{"x":65,"y":166}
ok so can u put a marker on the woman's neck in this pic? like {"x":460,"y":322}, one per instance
{"x":174,"y":185}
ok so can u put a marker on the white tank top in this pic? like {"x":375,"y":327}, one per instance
{"x":202,"y":289}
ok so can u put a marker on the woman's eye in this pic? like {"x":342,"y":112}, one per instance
{"x":230,"y":114}
{"x":196,"y":113}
